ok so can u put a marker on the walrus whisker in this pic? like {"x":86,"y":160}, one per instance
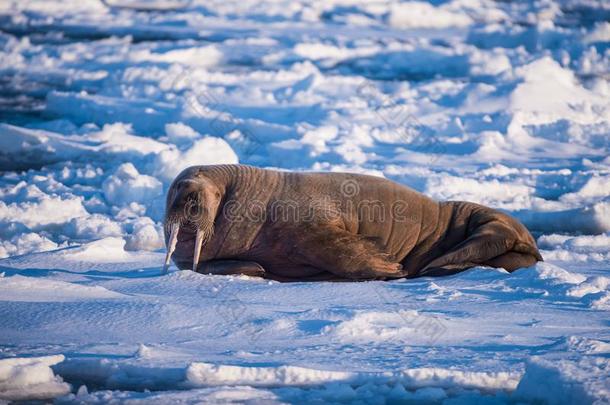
{"x":173,"y":239}
{"x":198,"y":243}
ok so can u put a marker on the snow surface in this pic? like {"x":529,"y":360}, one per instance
{"x":502,"y":103}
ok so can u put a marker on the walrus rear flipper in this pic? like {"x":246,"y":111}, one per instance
{"x":512,"y":261}
{"x":528,"y":249}
{"x":489,"y":242}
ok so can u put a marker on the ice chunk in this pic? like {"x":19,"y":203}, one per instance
{"x":26,"y":243}
{"x":206,"y":151}
{"x":145,"y":236}
{"x":565,"y":381}
{"x":179,"y":133}
{"x":206,"y":374}
{"x":127,"y":185}
{"x":31,"y":378}
{"x":46,"y":210}
{"x":92,"y":227}
{"x":417,"y":14}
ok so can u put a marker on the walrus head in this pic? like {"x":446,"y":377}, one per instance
{"x":192,"y":204}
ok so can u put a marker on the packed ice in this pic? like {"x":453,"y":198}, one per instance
{"x":102,"y":104}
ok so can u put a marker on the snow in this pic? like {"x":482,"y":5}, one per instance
{"x":501,"y":103}
{"x":19,"y":288}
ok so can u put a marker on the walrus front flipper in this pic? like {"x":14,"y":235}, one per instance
{"x":231,"y":267}
{"x":344,"y":254}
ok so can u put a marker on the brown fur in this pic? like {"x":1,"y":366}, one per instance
{"x":314,"y":226}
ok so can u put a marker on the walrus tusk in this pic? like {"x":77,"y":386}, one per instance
{"x":197,"y":252}
{"x":173,"y":239}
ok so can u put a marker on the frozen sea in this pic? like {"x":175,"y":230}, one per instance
{"x":501,"y":103}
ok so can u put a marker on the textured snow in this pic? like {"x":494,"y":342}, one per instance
{"x":501,"y":103}
{"x":19,"y":288}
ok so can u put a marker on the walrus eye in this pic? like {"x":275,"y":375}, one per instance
{"x":171,"y":247}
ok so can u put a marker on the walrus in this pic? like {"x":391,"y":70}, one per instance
{"x":301,"y":226}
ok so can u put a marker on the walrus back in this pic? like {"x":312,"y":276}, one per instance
{"x":393,"y":215}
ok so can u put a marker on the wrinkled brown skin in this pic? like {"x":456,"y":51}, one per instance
{"x":318,"y":234}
